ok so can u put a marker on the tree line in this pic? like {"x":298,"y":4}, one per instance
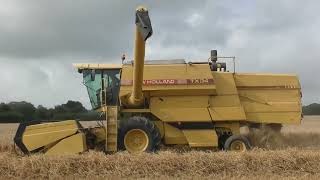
{"x":16,"y":112}
{"x":311,"y":109}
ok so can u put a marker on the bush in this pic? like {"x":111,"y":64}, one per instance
{"x":11,"y":117}
{"x":91,"y":116}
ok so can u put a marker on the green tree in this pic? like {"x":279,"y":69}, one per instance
{"x":70,"y":110}
{"x":42,"y":113}
{"x":11,"y":117}
{"x":311,"y":109}
{"x":4,"y":107}
{"x":14,"y":112}
{"x":25,"y":108}
{"x":70,"y":107}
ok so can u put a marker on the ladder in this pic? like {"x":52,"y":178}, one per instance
{"x":111,"y":126}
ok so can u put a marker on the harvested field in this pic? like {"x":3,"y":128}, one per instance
{"x":291,"y":163}
{"x":294,"y":154}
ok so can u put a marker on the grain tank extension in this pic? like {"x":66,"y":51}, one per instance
{"x":148,"y":103}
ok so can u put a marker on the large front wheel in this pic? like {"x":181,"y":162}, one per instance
{"x":138,"y":134}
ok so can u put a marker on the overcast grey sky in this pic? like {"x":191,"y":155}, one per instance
{"x":40,"y":39}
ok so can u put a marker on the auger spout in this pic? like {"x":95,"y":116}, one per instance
{"x":143,"y":31}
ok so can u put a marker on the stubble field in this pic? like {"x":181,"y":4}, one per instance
{"x":295,"y":154}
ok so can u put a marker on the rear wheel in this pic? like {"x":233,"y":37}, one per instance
{"x":237,"y":143}
{"x":138,"y":134}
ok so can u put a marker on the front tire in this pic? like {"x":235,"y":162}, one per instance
{"x":138,"y":134}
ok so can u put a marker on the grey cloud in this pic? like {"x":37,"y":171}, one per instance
{"x":83,"y":29}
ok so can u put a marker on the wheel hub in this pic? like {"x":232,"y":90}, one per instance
{"x":238,"y":146}
{"x":136,"y":140}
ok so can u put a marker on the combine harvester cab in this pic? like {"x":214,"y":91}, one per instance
{"x":146,"y":103}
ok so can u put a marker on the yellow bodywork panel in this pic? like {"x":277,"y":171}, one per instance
{"x":160,"y":126}
{"x":194,"y":137}
{"x":224,"y":101}
{"x":245,"y":80}
{"x":70,"y":145}
{"x":173,"y":135}
{"x":270,"y":98}
{"x":181,"y":108}
{"x":39,"y":135}
{"x":274,"y":117}
{"x":201,"y":138}
{"x":180,"y":78}
{"x":225,"y":106}
{"x":227,"y":113}
{"x":225,"y":84}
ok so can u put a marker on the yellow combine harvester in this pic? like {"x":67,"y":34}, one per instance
{"x":146,"y":103}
